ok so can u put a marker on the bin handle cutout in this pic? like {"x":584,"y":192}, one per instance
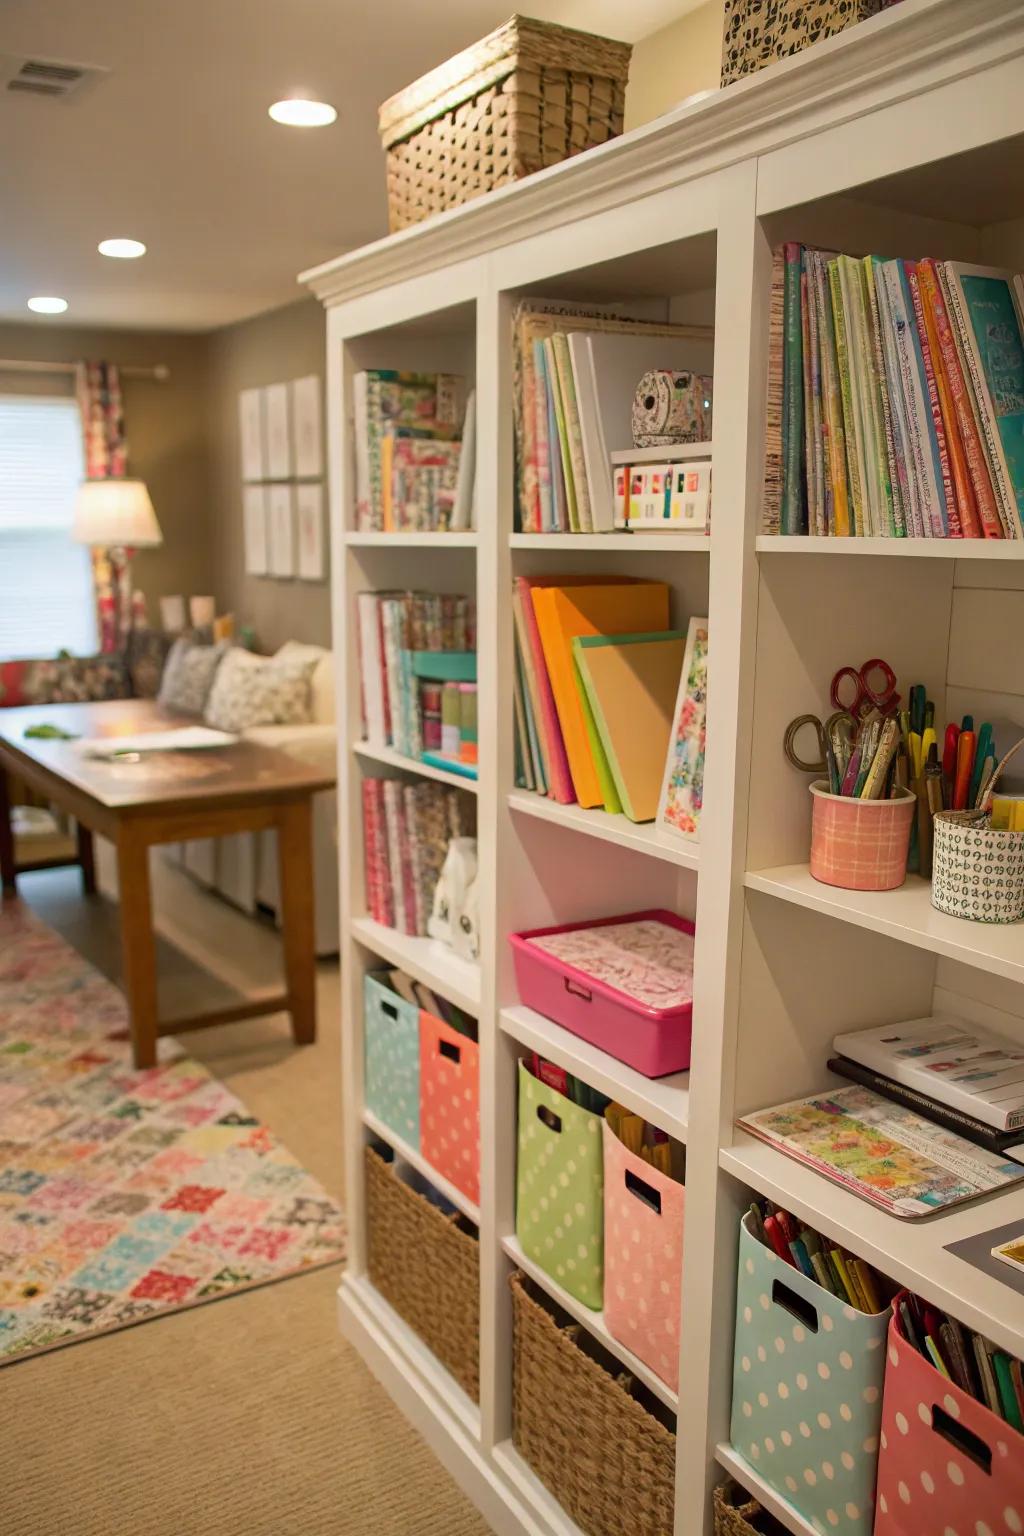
{"x":453,"y":1052}
{"x":645,"y":1193}
{"x":792,"y":1302}
{"x":962,"y":1439}
{"x":573,"y":987}
{"x":391,"y":1009}
{"x":549,"y":1118}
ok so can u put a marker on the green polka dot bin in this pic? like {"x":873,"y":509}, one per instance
{"x":948,"y":1464}
{"x":807,"y":1391}
{"x":391,"y":1059}
{"x":560,"y":1189}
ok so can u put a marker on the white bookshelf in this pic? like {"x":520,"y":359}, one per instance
{"x":389,"y":758}
{"x":902,"y":135}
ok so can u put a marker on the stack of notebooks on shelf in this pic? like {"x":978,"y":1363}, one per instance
{"x":597,"y":674}
{"x":406,"y":832}
{"x":895,"y":398}
{"x":414,"y":440}
{"x":577,"y":369}
{"x":406,"y":641}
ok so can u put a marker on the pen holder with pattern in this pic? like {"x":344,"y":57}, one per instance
{"x":560,"y":1189}
{"x":643,"y":1257}
{"x":948,"y":1463}
{"x":860,"y":845}
{"x":807,"y":1390}
{"x":391,"y":1059}
{"x":978,"y":870}
{"x":450,"y":1104}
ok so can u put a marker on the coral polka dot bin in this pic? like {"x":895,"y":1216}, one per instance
{"x":807,"y":1391}
{"x":450,"y":1104}
{"x":948,"y":1464}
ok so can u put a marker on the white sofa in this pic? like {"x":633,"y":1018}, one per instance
{"x":243,"y":868}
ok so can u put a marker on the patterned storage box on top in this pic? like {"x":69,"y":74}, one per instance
{"x":807,"y":1390}
{"x":450,"y":1104}
{"x":757,"y":32}
{"x":643,"y":1257}
{"x":391,"y":1058}
{"x":559,"y":1188}
{"x":948,"y":1463}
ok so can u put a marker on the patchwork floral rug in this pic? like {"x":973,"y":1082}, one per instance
{"x":126,"y":1194}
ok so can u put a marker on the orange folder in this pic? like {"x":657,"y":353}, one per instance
{"x":562,"y":614}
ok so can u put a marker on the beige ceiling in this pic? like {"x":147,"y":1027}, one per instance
{"x":174,"y":147}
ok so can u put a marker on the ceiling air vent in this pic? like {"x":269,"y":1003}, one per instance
{"x":44,"y":77}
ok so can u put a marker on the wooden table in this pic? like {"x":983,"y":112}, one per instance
{"x":170,"y":797}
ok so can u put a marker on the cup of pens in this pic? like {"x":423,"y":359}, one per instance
{"x":977,"y":865}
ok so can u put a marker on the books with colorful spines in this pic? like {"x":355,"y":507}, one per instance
{"x":375,"y":851}
{"x":420,"y":469}
{"x":952,"y":527}
{"x":771,"y":507}
{"x":910,"y":491}
{"x":387,"y":400}
{"x":924,"y":457}
{"x":896,"y":469}
{"x":373,"y":706}
{"x":877,"y":520}
{"x":573,"y":436}
{"x":553,"y":383}
{"x":851,"y":424}
{"x":393,"y":810}
{"x":813,"y":454}
{"x":542,"y":440}
{"x":794,"y":505}
{"x":932,"y":306}
{"x":837,"y":500}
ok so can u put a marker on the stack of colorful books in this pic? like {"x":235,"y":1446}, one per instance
{"x":406,"y":832}
{"x":895,"y":398}
{"x":396,"y":630}
{"x":413,"y":438}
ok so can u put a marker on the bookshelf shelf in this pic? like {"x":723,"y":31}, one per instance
{"x":643,"y":837}
{"x":908,"y":549}
{"x":665,"y":1101}
{"x":392,"y":759}
{"x":410,"y":540}
{"x":409,"y":1155}
{"x":765,"y":1494}
{"x":426,"y":960}
{"x":602,"y":543}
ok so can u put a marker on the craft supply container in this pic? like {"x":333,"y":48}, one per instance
{"x":560,"y":1188}
{"x":608,"y":1461}
{"x":734,"y":1511}
{"x":807,"y":1389}
{"x":391,"y":1059}
{"x":426,"y":1263}
{"x":757,"y":32}
{"x":947,"y":1463}
{"x":655,"y":1041}
{"x":643,"y":1257}
{"x":450,"y":1104}
{"x":977,"y":869}
{"x":860,"y":845}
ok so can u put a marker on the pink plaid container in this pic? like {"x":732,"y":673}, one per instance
{"x":860,"y":845}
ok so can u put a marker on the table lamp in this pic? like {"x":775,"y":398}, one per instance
{"x":116,"y":516}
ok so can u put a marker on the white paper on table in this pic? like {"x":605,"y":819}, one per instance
{"x":185,"y":738}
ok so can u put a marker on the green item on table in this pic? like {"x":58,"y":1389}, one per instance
{"x":50,"y":733}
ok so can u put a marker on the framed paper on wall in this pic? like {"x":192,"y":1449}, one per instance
{"x":682,"y":789}
{"x":276,"y":416}
{"x":254,"y":518}
{"x":309,"y":516}
{"x":250,"y":434}
{"x":282,"y":530}
{"x":306,"y":428}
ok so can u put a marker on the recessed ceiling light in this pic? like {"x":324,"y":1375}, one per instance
{"x":299,"y":113}
{"x":48,"y":306}
{"x":125,"y":250}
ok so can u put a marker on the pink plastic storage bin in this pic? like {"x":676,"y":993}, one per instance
{"x":654,"y":1041}
{"x":643,"y":1257}
{"x":450,"y":1104}
{"x":947,"y":1462}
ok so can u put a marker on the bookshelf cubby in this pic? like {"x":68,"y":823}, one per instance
{"x":904,"y":136}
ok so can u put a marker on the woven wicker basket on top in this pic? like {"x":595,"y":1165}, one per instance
{"x":527,"y":96}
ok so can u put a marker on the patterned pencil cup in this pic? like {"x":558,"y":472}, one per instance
{"x":643,"y":1257}
{"x":391,"y":1059}
{"x":560,"y":1189}
{"x":807,"y":1390}
{"x":860,"y":845}
{"x":978,"y":869}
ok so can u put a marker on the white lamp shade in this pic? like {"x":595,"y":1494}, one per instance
{"x":115,"y":512}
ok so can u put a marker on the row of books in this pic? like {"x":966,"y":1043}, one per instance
{"x":577,"y":368}
{"x":406,"y":832}
{"x":895,"y":398}
{"x":414,"y":448}
{"x":393,"y":628}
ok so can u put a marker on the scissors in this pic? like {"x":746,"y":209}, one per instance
{"x":836,"y":737}
{"x":867,"y":694}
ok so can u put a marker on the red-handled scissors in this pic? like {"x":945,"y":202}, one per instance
{"x":873,"y":687}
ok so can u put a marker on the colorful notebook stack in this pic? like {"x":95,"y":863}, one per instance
{"x":393,"y":628}
{"x":409,"y":456}
{"x":576,"y":375}
{"x":895,"y":398}
{"x":597,"y":673}
{"x":406,"y":832}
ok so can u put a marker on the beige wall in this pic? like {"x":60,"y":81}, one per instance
{"x":269,"y":349}
{"x":166,"y":429}
{"x":682,"y":58}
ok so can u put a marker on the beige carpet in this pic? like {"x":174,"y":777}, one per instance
{"x":251,"y":1416}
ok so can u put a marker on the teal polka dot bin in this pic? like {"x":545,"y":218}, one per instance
{"x":560,"y":1189}
{"x":391,"y":1059}
{"x":807,"y":1391}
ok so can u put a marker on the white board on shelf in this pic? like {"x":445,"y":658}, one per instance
{"x":282,"y":530}
{"x":254,"y":517}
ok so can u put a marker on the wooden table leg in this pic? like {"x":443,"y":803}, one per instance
{"x":86,"y":858}
{"x":7,"y":866}
{"x":138,"y":946}
{"x":295,"y":862}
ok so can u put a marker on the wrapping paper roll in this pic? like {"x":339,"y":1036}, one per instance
{"x":671,"y":407}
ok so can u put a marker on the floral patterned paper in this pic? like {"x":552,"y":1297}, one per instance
{"x":682,"y":795}
{"x":649,"y":961}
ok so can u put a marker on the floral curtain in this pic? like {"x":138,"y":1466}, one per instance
{"x":106,"y":458}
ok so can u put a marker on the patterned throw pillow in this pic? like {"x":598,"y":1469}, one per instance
{"x":188,"y":676}
{"x":258,"y":690}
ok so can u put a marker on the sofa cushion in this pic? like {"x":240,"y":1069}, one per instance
{"x":322,"y":680}
{"x":63,"y":680}
{"x":253,"y":690}
{"x":188,"y":675}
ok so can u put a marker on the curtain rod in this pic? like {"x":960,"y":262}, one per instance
{"x":159,"y":373}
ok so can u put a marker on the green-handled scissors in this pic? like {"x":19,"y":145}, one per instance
{"x":835,"y":736}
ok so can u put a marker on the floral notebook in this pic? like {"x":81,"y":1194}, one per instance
{"x":647,"y":960}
